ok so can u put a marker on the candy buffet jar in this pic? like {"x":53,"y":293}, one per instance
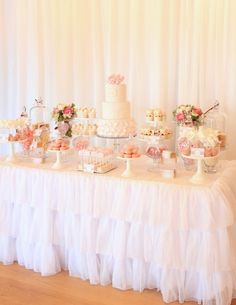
{"x":216,"y":119}
{"x":183,"y":146}
{"x":154,"y":151}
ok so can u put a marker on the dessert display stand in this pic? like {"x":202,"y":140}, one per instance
{"x":128,"y":173}
{"x":200,"y":176}
{"x":12,"y":157}
{"x":58,"y":164}
{"x":155,"y":146}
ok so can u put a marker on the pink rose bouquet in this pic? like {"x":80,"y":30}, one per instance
{"x":188,"y":115}
{"x":64,"y":112}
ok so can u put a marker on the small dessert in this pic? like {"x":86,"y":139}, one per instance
{"x":95,"y":159}
{"x":149,"y":115}
{"x":165,"y":133}
{"x":59,"y":144}
{"x":14,"y":123}
{"x":130,"y":151}
{"x":92,"y":113}
{"x":13,"y":138}
{"x":158,"y":115}
{"x":162,"y":132}
{"x":205,"y":139}
{"x":85,"y":112}
{"x":80,"y":129}
{"x":222,"y":139}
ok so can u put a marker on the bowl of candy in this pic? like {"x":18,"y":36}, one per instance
{"x":154,"y":150}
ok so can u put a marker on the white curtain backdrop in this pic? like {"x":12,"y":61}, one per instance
{"x":170,"y":52}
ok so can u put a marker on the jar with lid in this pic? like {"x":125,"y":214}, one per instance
{"x":37,"y":114}
{"x":154,"y":151}
{"x":216,"y":119}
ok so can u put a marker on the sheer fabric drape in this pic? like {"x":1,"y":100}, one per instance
{"x":171,"y":52}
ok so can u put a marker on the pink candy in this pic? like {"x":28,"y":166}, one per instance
{"x":81,"y":144}
{"x":184,"y":146}
{"x":154,"y":152}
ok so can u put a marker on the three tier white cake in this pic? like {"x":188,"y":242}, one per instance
{"x":116,"y":116}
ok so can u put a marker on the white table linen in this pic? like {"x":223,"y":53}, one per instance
{"x":138,"y":233}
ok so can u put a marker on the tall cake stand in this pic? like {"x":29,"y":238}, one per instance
{"x":200,"y":176}
{"x":58,"y":164}
{"x":128,"y":169}
{"x":12,"y":157}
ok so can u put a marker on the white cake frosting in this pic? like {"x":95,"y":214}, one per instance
{"x":116,"y":119}
{"x":116,"y":128}
{"x":115,"y":111}
{"x":115,"y":93}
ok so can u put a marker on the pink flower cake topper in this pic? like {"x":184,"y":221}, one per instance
{"x":115,"y":79}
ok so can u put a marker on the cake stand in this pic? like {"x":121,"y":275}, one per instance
{"x":12,"y":157}
{"x":128,"y":170}
{"x":200,"y":176}
{"x":58,"y":164}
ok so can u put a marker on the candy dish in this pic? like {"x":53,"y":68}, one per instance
{"x":80,"y":143}
{"x":154,"y":151}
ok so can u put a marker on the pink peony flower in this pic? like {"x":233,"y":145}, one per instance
{"x":68,"y":110}
{"x":180,"y":117}
{"x":197,"y":111}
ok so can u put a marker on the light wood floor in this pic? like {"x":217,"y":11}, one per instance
{"x":19,"y":286}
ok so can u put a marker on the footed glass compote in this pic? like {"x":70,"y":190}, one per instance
{"x":154,"y":151}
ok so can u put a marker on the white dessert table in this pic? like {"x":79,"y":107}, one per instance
{"x":143,"y":232}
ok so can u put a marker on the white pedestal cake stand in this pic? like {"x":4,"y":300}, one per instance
{"x":200,"y":176}
{"x":58,"y":164}
{"x":12,"y":157}
{"x":128,"y":170}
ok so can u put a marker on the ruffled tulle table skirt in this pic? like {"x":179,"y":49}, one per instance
{"x":133,"y":233}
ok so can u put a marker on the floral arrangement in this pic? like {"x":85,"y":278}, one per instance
{"x":115,"y":79}
{"x":188,"y":115}
{"x":63,"y":114}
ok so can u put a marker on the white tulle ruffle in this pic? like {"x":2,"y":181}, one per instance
{"x":124,"y":232}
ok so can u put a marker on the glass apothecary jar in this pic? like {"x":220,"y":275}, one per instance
{"x":154,"y":151}
{"x":216,"y":119}
{"x":37,"y":114}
